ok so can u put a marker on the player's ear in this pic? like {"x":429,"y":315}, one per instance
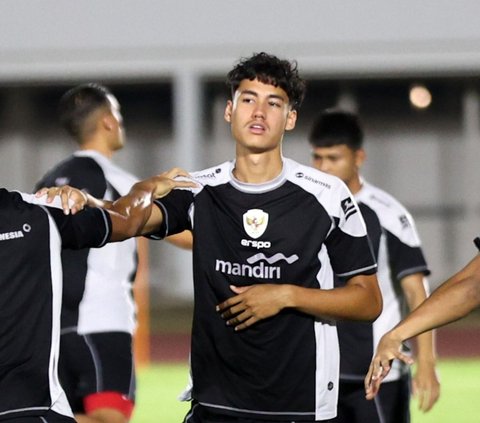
{"x":291,"y":120}
{"x":107,"y":122}
{"x":360,"y":157}
{"x":228,"y":111}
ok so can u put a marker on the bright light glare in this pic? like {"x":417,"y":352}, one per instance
{"x":420,"y":96}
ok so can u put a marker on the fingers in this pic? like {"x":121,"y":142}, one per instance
{"x":407,"y":359}
{"x":242,"y":321}
{"x":239,"y":289}
{"x":41,"y":192}
{"x":427,"y":393}
{"x":235,"y":312}
{"x":378,"y":370}
{"x":174,"y":172}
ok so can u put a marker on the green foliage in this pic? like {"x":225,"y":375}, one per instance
{"x":160,"y":385}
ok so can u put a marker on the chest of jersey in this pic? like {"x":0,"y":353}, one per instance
{"x":271,"y":237}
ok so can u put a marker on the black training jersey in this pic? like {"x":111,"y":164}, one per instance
{"x":31,"y":238}
{"x":301,"y":228}
{"x":97,"y":295}
{"x":399,"y":254}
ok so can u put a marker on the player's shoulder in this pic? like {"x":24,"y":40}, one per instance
{"x":311,"y":179}
{"x":9,"y":197}
{"x":71,"y":169}
{"x":392,"y":214}
{"x":378,"y":198}
{"x":215,"y":175}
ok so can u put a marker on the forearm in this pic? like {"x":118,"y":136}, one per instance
{"x":131,"y":212}
{"x":134,"y":215}
{"x":416,"y":291}
{"x":352,"y":302}
{"x":445,"y":305}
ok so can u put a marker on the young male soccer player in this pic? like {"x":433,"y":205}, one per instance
{"x":337,"y":148}
{"x":31,"y":239}
{"x":98,"y":313}
{"x":269,"y":236}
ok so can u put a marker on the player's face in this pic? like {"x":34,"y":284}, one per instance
{"x":339,"y":160}
{"x":118,"y":132}
{"x":259,"y":115}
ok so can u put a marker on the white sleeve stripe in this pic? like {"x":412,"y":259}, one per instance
{"x":412,"y":270}
{"x":358,"y":271}
{"x":107,"y":232}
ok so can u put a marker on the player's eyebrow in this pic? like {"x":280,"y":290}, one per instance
{"x":255,"y":94}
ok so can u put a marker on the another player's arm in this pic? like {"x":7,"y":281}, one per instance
{"x":426,"y":385}
{"x":181,"y":240}
{"x":131,"y":214}
{"x":359,"y":299}
{"x":454,"y":299}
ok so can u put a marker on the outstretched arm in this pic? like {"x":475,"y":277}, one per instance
{"x":131,"y":214}
{"x":360,"y":299}
{"x":453,"y":300}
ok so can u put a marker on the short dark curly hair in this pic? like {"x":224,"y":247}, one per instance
{"x":271,"y":70}
{"x":334,"y":127}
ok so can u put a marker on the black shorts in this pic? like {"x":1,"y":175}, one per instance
{"x":200,"y":414}
{"x":353,"y":407}
{"x":394,"y":399}
{"x":391,"y":405}
{"x":95,"y":364}
{"x":49,"y":417}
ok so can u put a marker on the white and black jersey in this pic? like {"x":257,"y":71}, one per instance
{"x":398,"y":251}
{"x":300,"y":228}
{"x":93,"y":276}
{"x":31,"y":237}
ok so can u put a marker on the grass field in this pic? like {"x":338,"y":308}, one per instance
{"x":160,"y":384}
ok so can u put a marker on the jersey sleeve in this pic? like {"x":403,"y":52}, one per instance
{"x":405,"y":253}
{"x":79,"y":172}
{"x":374,"y":228}
{"x":91,"y":227}
{"x":175,"y":209}
{"x":348,"y":245}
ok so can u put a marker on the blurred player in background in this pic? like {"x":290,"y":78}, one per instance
{"x":98,"y":310}
{"x":336,"y":138}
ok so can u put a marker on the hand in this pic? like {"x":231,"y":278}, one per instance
{"x":73,"y":200}
{"x":388,"y":349}
{"x":166,"y":181}
{"x":252,"y":304}
{"x":426,"y":385}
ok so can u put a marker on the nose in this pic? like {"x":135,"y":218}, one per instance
{"x":259,"y":111}
{"x":321,"y":165}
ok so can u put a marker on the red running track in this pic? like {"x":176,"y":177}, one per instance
{"x":451,"y":343}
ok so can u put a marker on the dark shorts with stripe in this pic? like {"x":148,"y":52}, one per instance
{"x":49,"y":417}
{"x":200,"y":414}
{"x":95,"y":363}
{"x":391,"y":405}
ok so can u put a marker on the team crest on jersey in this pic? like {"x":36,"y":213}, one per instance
{"x":255,"y":222}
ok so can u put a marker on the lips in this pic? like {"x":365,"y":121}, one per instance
{"x":257,"y":128}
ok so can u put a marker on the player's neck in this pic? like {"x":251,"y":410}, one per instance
{"x":257,"y":168}
{"x":97,"y":146}
{"x":355,"y":185}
